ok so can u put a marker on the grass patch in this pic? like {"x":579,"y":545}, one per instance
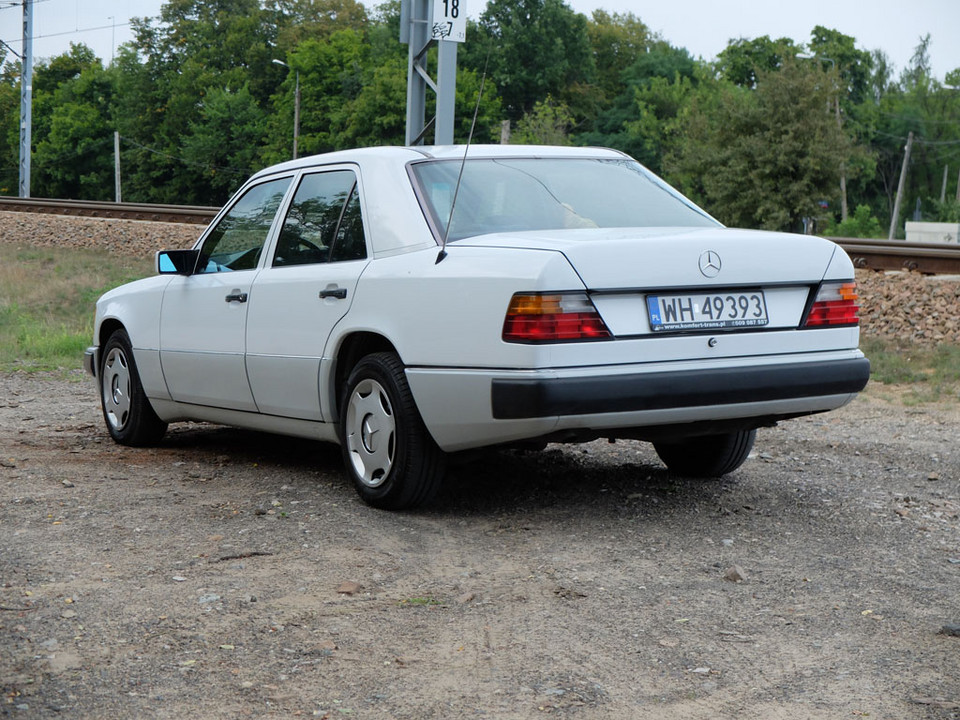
{"x":47,"y":298}
{"x":932,"y":374}
{"x":420,"y":602}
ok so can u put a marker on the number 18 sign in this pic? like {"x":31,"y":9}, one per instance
{"x":449,"y":20}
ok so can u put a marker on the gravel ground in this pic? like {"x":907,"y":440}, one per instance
{"x":228,"y":574}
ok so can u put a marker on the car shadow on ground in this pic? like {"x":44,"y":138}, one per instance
{"x":617,"y":479}
{"x":569,"y":476}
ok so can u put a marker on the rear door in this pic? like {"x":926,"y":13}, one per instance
{"x":303,"y":292}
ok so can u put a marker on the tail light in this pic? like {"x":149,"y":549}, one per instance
{"x":535,"y":317}
{"x":836,"y":305}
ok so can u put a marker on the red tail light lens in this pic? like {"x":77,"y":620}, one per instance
{"x":552,"y":318}
{"x":836,"y":304}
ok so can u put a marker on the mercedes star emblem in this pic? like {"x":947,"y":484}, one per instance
{"x":710,"y":264}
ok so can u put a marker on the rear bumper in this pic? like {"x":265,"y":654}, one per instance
{"x":472,"y":407}
{"x":523,"y":398}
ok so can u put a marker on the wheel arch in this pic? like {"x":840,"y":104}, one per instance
{"x":107,"y":328}
{"x":352,"y":348}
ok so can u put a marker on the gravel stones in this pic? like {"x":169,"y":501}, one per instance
{"x":135,"y":238}
{"x":910,"y":309}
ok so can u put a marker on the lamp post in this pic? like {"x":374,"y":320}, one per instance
{"x":296,"y":107}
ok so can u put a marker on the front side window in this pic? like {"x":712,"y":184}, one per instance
{"x":323,"y":223}
{"x":521,"y":194}
{"x":238,"y":238}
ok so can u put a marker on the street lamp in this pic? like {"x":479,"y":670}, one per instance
{"x":296,"y":107}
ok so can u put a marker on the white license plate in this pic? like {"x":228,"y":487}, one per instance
{"x":707,"y":311}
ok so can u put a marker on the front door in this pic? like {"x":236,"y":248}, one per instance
{"x":204,"y":316}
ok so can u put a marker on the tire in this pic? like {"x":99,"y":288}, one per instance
{"x":387,"y":450}
{"x":126,"y":410}
{"x":707,"y":456}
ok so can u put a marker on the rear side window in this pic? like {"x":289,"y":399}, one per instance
{"x":324,"y":222}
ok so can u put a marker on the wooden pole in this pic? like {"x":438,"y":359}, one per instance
{"x":900,"y":186}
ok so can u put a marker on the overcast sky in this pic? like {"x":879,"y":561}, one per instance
{"x":701,"y":26}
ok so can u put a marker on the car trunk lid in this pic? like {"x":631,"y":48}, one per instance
{"x":670,"y":258}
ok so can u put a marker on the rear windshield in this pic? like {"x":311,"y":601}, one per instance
{"x":511,"y":195}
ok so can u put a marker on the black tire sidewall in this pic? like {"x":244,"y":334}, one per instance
{"x":709,"y":456}
{"x":417,"y":463}
{"x":143,"y":426}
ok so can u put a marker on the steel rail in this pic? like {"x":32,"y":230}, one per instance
{"x":928,"y":258}
{"x":195,"y":214}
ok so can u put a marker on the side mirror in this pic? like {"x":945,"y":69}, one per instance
{"x":176,"y":262}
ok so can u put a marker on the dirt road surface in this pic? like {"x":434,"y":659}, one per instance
{"x":226,"y":574}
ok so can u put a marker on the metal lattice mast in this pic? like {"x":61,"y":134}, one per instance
{"x":423,"y":24}
{"x":26,"y":99}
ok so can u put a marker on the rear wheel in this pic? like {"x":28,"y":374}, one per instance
{"x":707,"y":456}
{"x":387,"y":450}
{"x":126,"y":410}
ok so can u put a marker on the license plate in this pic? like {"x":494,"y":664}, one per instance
{"x":707,"y":311}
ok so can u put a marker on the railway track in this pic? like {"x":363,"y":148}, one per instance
{"x":933,"y":259}
{"x":194,"y":214}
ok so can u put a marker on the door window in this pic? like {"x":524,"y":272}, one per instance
{"x":323,"y":223}
{"x":237,"y":240}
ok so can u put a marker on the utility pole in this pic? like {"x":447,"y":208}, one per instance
{"x":900,"y":186}
{"x":116,"y":166}
{"x":26,"y":99}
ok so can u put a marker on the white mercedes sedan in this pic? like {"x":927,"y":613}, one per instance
{"x":408,"y":303}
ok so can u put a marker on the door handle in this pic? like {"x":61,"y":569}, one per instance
{"x":236,"y":296}
{"x":331,"y":292}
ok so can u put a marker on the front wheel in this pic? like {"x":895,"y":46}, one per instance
{"x":707,"y":456}
{"x":387,"y":450}
{"x":126,"y":410}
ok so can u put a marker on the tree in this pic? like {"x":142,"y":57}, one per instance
{"x":655,"y":87}
{"x":222,"y":144}
{"x":617,"y":41}
{"x":536,"y":48}
{"x":763,"y":158}
{"x":743,"y":59}
{"x":918,"y":71}
{"x":166,"y":71}
{"x":332,"y":72}
{"x":547,"y":124}
{"x":9,"y":128}
{"x":862,"y":224}
{"x":854,"y":66}
{"x":300,"y":20}
{"x":75,"y":157}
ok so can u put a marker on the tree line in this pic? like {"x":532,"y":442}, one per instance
{"x":773,"y":134}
